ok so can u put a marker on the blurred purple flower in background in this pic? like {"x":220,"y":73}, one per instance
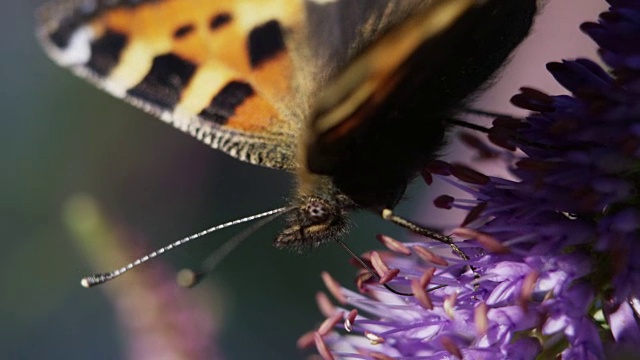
{"x":160,"y":319}
{"x":554,"y":267}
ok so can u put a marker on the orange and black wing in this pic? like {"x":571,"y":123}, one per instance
{"x":217,"y":70}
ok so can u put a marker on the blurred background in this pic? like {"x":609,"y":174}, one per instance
{"x":89,"y":182}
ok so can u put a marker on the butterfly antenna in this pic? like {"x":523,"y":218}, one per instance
{"x":190,"y":278}
{"x":374,"y":274}
{"x":102,"y":278}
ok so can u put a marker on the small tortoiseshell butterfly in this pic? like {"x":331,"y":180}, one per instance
{"x":351,"y":96}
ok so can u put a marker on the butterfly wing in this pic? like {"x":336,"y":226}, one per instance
{"x":337,"y":31}
{"x":381,"y":120}
{"x":237,"y":75}
{"x":213,"y":69}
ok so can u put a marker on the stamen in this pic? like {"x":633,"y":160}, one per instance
{"x":487,"y":241}
{"x":363,"y":277}
{"x":482,"y":149}
{"x":451,"y":346}
{"x":480,"y":318}
{"x":378,"y":264}
{"x":444,"y":202}
{"x":322,"y":347}
{"x":306,"y":340}
{"x":438,"y":167}
{"x":429,"y":256}
{"x":474,"y":214}
{"x":375,"y":339}
{"x":350,"y":319}
{"x":468,"y":175}
{"x":450,"y":304}
{"x":334,"y":287}
{"x":528,"y":287}
{"x":370,"y":270}
{"x":388,"y":276}
{"x":426,"y":277}
{"x":421,"y":295}
{"x":393,"y":244}
{"x":324,"y":304}
{"x":329,"y":323}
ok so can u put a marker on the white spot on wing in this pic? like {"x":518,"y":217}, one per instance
{"x":78,"y":52}
{"x":115,"y":89}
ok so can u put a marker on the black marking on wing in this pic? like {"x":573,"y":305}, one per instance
{"x":219,"y":20}
{"x":163,"y":84}
{"x":68,"y":26}
{"x":224,"y":104}
{"x":105,"y":52}
{"x":183,"y":31}
{"x":265,"y":42}
{"x":71,"y":18}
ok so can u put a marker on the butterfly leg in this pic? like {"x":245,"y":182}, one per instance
{"x":466,"y":124}
{"x":388,"y":215}
{"x":485,"y":113}
{"x":375,"y":275}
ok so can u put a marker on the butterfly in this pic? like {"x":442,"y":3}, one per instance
{"x":350,"y":96}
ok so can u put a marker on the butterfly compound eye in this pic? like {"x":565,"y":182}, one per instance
{"x":316,"y":211}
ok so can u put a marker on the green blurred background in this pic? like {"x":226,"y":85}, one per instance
{"x":61,"y":137}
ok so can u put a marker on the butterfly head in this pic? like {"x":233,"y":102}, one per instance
{"x":313,"y":221}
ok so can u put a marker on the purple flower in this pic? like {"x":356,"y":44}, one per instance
{"x":554,"y":267}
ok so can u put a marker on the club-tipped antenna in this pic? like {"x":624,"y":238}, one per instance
{"x":189,"y":278}
{"x":102,"y":278}
{"x":374,"y":274}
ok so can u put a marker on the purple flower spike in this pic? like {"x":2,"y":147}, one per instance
{"x":553,"y":269}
